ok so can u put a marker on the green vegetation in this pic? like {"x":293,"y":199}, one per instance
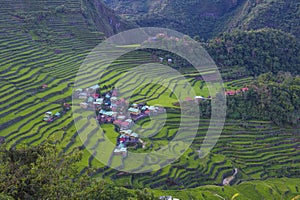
{"x":206,"y":19}
{"x":41,"y":173}
{"x":240,"y":54}
{"x":244,"y":144}
{"x":267,"y":189}
{"x":271,"y":97}
{"x":244,"y":53}
{"x":276,"y":14}
{"x":44,"y":43}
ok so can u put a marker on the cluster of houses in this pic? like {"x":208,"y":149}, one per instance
{"x":227,"y":93}
{"x":234,"y":92}
{"x":111,"y":109}
{"x":50,"y":117}
{"x":127,"y":138}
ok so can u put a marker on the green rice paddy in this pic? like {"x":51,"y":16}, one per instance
{"x":258,"y":149}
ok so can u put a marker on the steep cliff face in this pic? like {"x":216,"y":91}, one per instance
{"x":102,"y":18}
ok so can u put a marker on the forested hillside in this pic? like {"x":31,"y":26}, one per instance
{"x":240,"y":54}
{"x":270,"y":97}
{"x":250,"y":53}
{"x":278,"y":14}
{"x":207,"y":18}
{"x":204,"y":18}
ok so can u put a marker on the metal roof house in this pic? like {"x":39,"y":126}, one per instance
{"x":134,"y":111}
{"x":95,"y":87}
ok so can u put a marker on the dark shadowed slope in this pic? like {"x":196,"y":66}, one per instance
{"x":208,"y":18}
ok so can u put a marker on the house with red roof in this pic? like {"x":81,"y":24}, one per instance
{"x":117,"y":122}
{"x":95,"y":95}
{"x":114,"y":93}
{"x":245,"y":89}
{"x":125,"y":125}
{"x":189,"y":99}
{"x":147,"y":112}
{"x":67,"y":106}
{"x":230,"y":92}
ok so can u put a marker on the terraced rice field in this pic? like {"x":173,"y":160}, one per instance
{"x":239,"y":83}
{"x":28,"y":62}
{"x":282,"y":188}
{"x":258,"y":149}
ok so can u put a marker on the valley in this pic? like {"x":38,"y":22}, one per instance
{"x":44,"y":44}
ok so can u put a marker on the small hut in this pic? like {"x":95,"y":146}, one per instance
{"x":84,"y":105}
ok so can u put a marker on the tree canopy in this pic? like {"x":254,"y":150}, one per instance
{"x":42,"y":172}
{"x":244,"y":53}
{"x":270,"y":97}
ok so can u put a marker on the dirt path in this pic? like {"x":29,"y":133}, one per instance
{"x":227,"y":180}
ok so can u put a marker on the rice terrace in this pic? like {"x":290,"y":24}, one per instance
{"x":44,"y":44}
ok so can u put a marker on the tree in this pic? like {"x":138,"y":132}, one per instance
{"x":42,"y":173}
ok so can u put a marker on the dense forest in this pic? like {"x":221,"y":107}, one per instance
{"x":205,"y":18}
{"x":250,"y":53}
{"x":270,"y":97}
{"x":246,"y":53}
{"x":279,"y":14}
{"x":208,"y":18}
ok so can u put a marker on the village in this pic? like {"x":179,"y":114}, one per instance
{"x":113,"y":110}
{"x":50,"y":117}
{"x":110,"y":109}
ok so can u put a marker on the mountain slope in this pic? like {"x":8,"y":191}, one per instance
{"x":44,"y":43}
{"x":278,"y":14}
{"x":59,"y":22}
{"x":191,"y":17}
{"x":244,"y":53}
{"x":208,"y":18}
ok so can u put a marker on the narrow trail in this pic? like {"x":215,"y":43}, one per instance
{"x":226,"y":181}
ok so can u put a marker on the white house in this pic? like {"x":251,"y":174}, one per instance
{"x":95,"y":87}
